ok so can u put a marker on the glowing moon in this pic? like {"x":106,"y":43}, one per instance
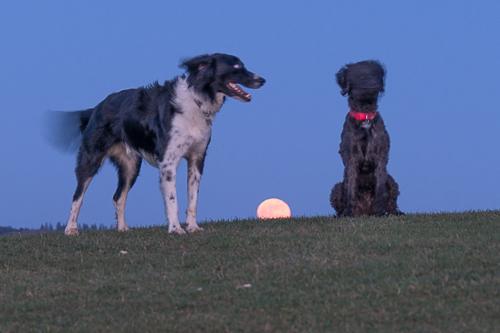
{"x":273,"y":209}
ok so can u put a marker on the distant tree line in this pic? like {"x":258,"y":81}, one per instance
{"x":83,"y":227}
{"x":7,"y":230}
{"x":49,"y":227}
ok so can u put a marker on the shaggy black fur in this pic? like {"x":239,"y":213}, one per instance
{"x":367,"y":188}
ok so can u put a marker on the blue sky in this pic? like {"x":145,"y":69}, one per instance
{"x":440,"y":107}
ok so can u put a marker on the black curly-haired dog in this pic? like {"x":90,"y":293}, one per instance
{"x":367,"y":188}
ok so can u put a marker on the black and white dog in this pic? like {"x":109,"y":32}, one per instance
{"x":160,"y":123}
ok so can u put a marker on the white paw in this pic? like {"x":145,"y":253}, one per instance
{"x":176,"y":230}
{"x":193,"y":229}
{"x":71,"y":232}
{"x":123,"y":229}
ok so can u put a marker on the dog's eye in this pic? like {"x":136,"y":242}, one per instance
{"x":237,"y":66}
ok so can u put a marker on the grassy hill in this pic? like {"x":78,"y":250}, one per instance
{"x":416,"y":273}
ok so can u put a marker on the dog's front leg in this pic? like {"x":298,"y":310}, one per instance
{"x":380,"y":203}
{"x":168,"y":173}
{"x":194,"y":178}
{"x":350,"y":186}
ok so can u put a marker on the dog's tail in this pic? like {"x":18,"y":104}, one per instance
{"x":63,"y":130}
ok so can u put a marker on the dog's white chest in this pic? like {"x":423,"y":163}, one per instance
{"x":196,"y":113}
{"x":188,"y":132}
{"x":191,"y":127}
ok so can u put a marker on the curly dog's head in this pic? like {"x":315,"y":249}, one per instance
{"x":362,"y":81}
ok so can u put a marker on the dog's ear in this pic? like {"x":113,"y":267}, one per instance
{"x":382,"y":88}
{"x":381,"y":74}
{"x":342,"y":81}
{"x":198,"y":64}
{"x":201,"y":69}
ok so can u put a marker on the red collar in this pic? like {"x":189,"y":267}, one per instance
{"x":359,"y":116}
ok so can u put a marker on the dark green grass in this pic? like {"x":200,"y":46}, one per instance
{"x":416,"y":273}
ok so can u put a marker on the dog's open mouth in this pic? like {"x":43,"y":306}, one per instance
{"x":240,"y":93}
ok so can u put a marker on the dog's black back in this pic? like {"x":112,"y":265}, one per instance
{"x":367,"y":188}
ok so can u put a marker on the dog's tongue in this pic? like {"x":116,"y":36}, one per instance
{"x":243,"y":94}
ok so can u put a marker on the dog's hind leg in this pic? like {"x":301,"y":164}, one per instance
{"x":72,"y":225}
{"x":337,"y":198}
{"x":128,"y":167}
{"x":85,"y":170}
{"x":392,"y":197}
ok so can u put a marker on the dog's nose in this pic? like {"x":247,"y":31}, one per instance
{"x":260,"y":80}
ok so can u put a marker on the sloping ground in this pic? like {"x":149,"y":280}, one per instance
{"x":421,"y":272}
